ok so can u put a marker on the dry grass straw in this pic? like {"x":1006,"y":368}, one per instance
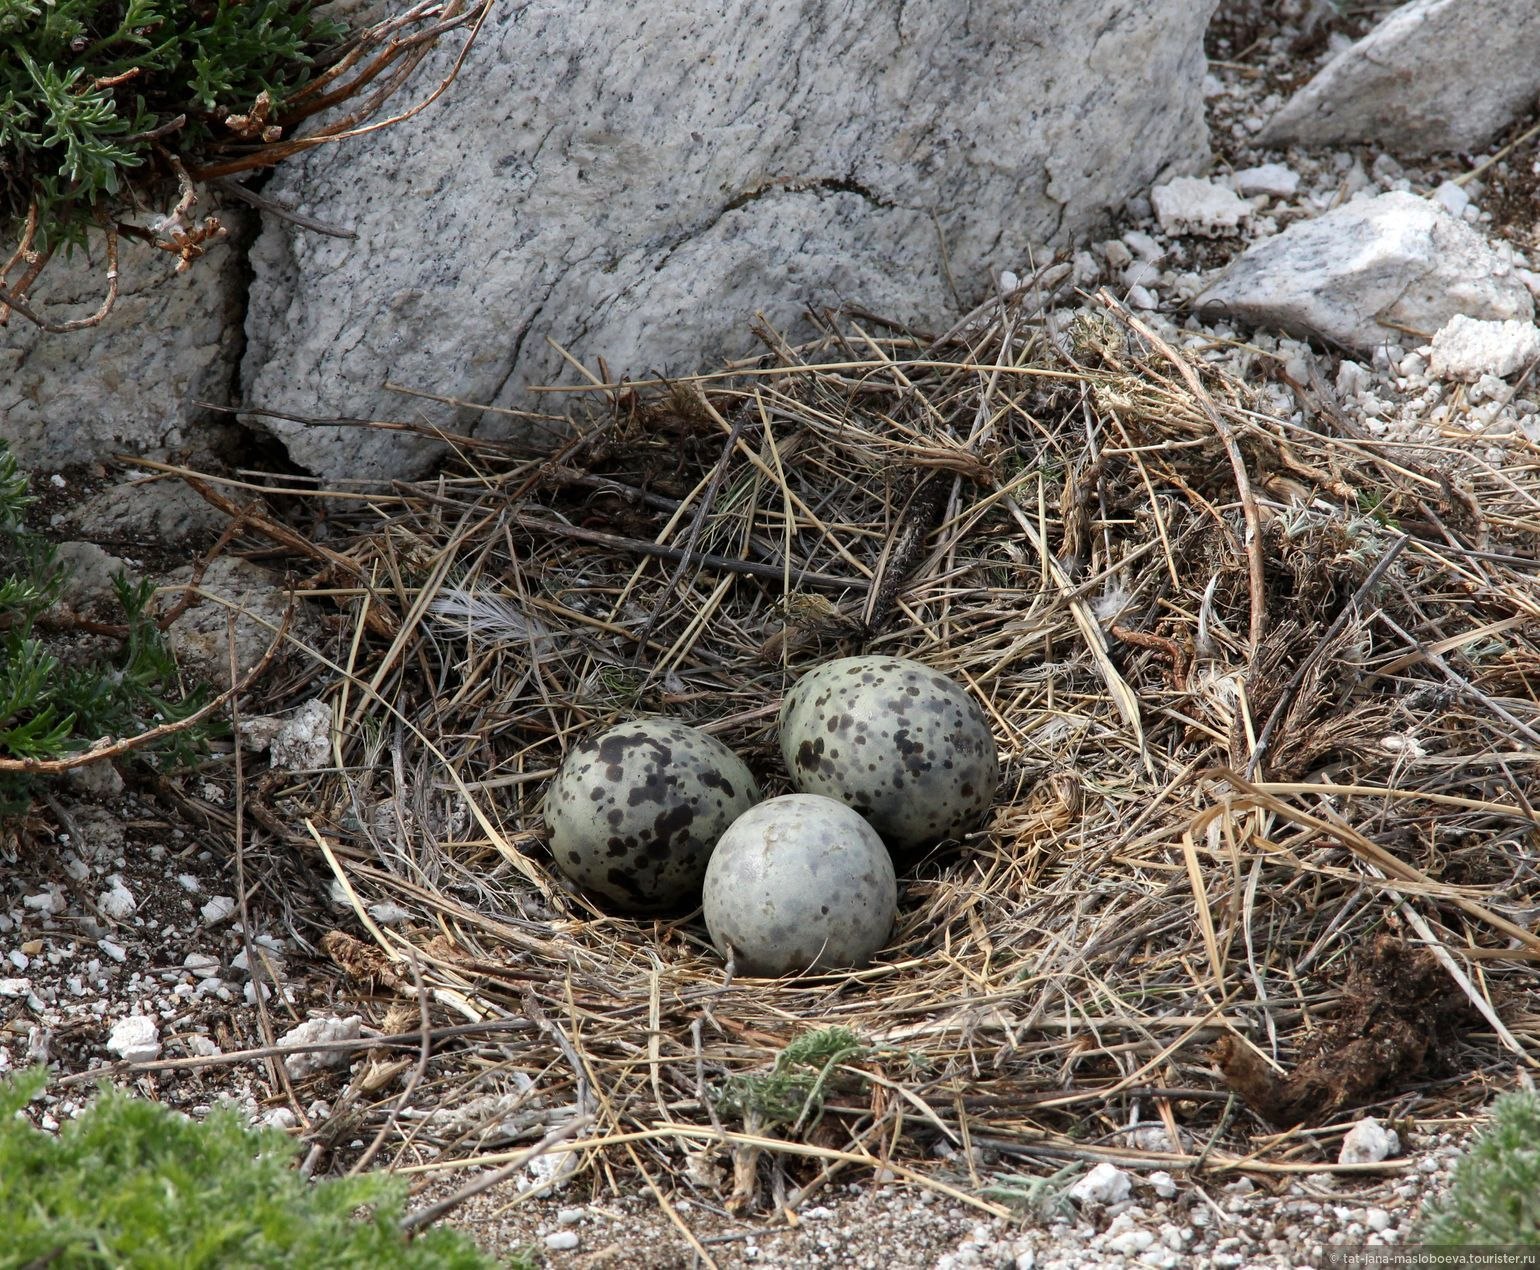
{"x":1262,"y":689}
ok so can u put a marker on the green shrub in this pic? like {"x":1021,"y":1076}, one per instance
{"x":48,"y":709}
{"x":792,"y":1092}
{"x":131,"y":1183}
{"x":1495,"y":1195}
{"x":91,"y":92}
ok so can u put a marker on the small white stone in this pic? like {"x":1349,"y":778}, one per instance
{"x":188,"y":882}
{"x":1353,"y":378}
{"x":1368,"y":1142}
{"x":1452,"y":197}
{"x":118,"y":901}
{"x":1130,"y":1243}
{"x":562,"y":1240}
{"x":1376,"y":1219}
{"x":46,"y":902}
{"x":1164,"y":1184}
{"x":304,"y":741}
{"x":1116,"y":254}
{"x":116,"y":951}
{"x":136,"y":1038}
{"x":1143,"y":245}
{"x":1277,"y":180}
{"x":15,"y":987}
{"x":218,"y":909}
{"x":818,"y":1213}
{"x":1105,"y":1184}
{"x":201,"y":965}
{"x":313,"y":1030}
{"x":569,"y":1216}
{"x":1142,"y":273}
{"x":200,"y":1046}
{"x":1467,"y":349}
{"x":388,"y":914}
{"x":1189,"y":205}
{"x":1141,"y":298}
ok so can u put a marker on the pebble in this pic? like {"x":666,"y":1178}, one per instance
{"x":1468,"y":349}
{"x":1105,"y":1184}
{"x":1368,"y":1142}
{"x":1277,"y":180}
{"x":135,"y":1039}
{"x":309,"y":1033}
{"x":118,"y":902}
{"x":218,"y":909}
{"x":1190,"y":205}
{"x":562,"y":1240}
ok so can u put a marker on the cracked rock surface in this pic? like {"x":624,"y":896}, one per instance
{"x":636,"y":182}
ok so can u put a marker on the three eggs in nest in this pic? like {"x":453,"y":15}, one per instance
{"x":886,"y":754}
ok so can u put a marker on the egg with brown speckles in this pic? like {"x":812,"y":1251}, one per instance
{"x":634,"y":811}
{"x":902,"y":744}
{"x":798,"y":883}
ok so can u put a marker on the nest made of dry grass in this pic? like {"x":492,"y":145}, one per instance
{"x":1265,"y":696}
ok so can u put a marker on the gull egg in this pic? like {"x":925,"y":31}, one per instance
{"x":902,"y":744}
{"x":634,"y":812}
{"x":799,"y":883}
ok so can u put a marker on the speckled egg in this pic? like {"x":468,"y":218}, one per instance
{"x":799,"y":882}
{"x":902,"y":744}
{"x":634,"y":811}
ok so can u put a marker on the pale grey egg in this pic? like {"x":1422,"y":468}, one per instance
{"x":634,"y":811}
{"x":799,"y":882}
{"x":902,"y":744}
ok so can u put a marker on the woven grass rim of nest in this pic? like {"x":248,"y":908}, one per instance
{"x":1264,"y":688}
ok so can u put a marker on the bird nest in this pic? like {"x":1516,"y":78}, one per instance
{"x":1264,"y":690}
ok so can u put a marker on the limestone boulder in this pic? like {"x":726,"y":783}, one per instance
{"x":636,"y":181}
{"x":1386,"y":270}
{"x":132,"y":383}
{"x":1434,"y":75}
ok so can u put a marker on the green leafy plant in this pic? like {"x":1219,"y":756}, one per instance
{"x":130,"y":1183}
{"x":48,"y":709}
{"x":112,"y":109}
{"x":92,"y":90}
{"x":792,"y":1092}
{"x":1494,"y":1197}
{"x":1045,"y":1198}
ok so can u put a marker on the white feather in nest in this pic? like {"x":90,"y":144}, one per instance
{"x":488,"y":615}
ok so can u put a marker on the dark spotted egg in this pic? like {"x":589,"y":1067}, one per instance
{"x":902,"y":744}
{"x":634,"y":811}
{"x":799,"y":883}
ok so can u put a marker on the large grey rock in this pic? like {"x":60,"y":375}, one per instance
{"x":1434,"y":75}
{"x":1367,"y":273}
{"x":128,"y":384}
{"x":637,"y":180}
